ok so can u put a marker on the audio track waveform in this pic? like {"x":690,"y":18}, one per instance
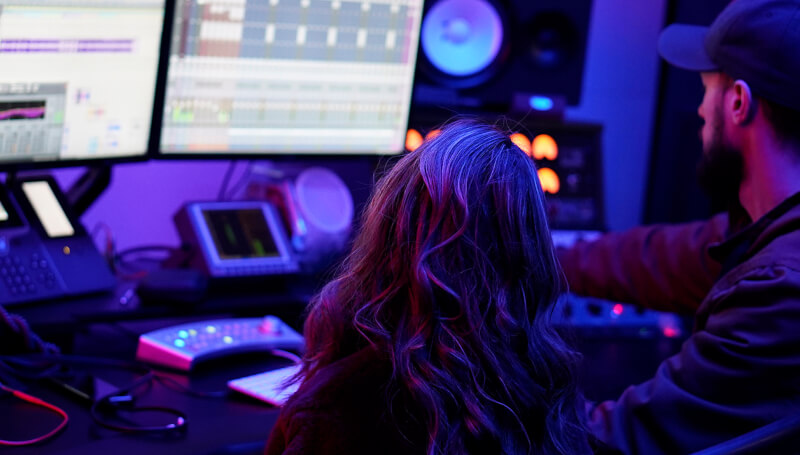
{"x":66,"y":45}
{"x":22,"y":110}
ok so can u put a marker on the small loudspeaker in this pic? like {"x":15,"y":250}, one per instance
{"x":483,"y":53}
{"x":326,"y":204}
{"x":315,"y":204}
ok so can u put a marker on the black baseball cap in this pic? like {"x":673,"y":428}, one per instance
{"x":757,"y":41}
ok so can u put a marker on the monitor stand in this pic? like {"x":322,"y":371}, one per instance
{"x":89,"y":186}
{"x":85,"y":190}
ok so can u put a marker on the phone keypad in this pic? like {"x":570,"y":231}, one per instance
{"x":26,"y":276}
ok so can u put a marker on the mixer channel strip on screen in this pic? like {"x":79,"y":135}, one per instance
{"x":31,"y":120}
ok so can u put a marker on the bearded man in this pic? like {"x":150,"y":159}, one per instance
{"x":739,"y":273}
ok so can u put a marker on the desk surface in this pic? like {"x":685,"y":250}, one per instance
{"x":123,"y":304}
{"x":214,"y":425}
{"x":107,"y":325}
{"x":97,"y":326}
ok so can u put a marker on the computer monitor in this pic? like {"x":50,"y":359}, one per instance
{"x":77,"y":80}
{"x":317,"y":77}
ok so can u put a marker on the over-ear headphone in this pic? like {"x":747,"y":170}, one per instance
{"x":121,"y":402}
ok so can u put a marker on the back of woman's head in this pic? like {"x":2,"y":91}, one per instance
{"x":454,"y":277}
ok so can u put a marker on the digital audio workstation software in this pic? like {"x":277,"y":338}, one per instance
{"x":290,"y":76}
{"x":77,"y":78}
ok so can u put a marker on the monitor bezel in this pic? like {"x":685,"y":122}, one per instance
{"x":293,"y":156}
{"x":152,"y":140}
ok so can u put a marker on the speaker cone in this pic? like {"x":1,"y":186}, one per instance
{"x":462,"y":41}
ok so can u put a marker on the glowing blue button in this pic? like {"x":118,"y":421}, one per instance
{"x":183,"y":334}
{"x":211,"y":329}
{"x":227,"y":339}
{"x":180,"y":343}
{"x":541,"y":103}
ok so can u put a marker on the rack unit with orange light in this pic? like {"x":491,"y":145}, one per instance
{"x":568,"y":157}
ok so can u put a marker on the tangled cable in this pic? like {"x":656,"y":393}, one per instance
{"x":18,"y":337}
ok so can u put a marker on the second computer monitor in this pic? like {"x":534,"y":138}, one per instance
{"x":290,"y":76}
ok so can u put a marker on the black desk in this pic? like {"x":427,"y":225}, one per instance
{"x":122,"y":304}
{"x":58,"y":321}
{"x":108,"y":326}
{"x":214,"y":425}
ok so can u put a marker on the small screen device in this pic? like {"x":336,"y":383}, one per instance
{"x":235,"y":239}
{"x":47,"y":208}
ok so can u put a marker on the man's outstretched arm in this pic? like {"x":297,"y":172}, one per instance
{"x":739,"y":372}
{"x":663,"y":267}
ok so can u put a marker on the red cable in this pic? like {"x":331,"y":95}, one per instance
{"x":36,"y":401}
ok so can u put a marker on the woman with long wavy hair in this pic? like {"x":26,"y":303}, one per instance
{"x":435,"y":336}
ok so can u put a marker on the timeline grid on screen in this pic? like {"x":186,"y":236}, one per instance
{"x":290,"y":76}
{"x":78,"y":78}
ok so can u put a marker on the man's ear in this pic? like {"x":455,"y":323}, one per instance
{"x":744,"y":105}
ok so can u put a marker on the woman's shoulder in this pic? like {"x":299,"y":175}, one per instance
{"x":342,"y":409}
{"x":347,"y":382}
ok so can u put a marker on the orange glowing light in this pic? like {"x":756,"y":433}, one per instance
{"x":413,"y":140}
{"x":544,"y":146}
{"x":549,"y":180}
{"x":432,"y":134}
{"x":522,"y":141}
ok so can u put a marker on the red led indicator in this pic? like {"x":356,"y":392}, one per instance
{"x":671,"y":332}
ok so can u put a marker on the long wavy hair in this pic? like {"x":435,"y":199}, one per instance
{"x":453,"y":276}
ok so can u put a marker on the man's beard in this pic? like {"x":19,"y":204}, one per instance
{"x":719,"y":171}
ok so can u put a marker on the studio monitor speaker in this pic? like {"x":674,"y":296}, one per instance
{"x":483,"y":53}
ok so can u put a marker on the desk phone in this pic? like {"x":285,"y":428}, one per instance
{"x":44,"y":251}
